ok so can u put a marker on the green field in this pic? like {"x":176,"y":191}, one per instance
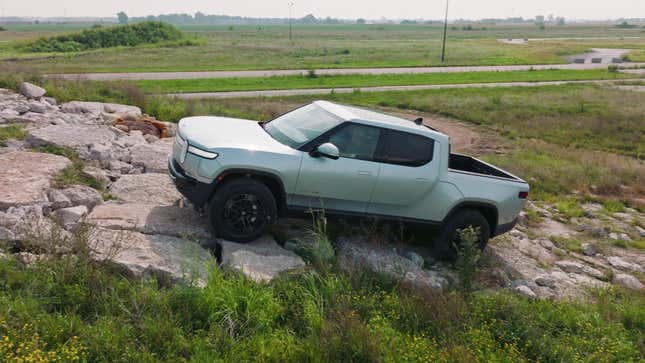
{"x":338,"y":81}
{"x":320,"y":46}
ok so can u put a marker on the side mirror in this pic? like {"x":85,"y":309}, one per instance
{"x":327,"y":150}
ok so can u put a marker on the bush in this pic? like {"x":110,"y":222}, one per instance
{"x":126,"y":35}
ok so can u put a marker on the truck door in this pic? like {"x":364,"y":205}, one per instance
{"x":408,"y":171}
{"x":345,"y":184}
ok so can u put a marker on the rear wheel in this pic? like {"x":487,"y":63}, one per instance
{"x":241,"y":210}
{"x":448,"y":240}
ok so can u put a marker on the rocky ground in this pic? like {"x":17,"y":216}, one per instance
{"x":138,"y":222}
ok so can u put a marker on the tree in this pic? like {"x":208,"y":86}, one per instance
{"x":560,"y":21}
{"x":539,"y":20}
{"x":123,"y":17}
{"x":360,"y":21}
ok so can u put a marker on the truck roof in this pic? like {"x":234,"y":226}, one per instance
{"x":349,"y":113}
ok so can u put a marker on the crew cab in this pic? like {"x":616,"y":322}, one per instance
{"x":345,"y":160}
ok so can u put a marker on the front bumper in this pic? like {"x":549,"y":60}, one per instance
{"x":197,"y":192}
{"x":503,"y":228}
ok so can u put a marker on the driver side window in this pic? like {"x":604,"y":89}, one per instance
{"x":356,"y":141}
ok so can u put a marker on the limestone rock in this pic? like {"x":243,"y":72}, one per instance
{"x":151,"y":219}
{"x":30,"y":90}
{"x":579,"y":268}
{"x":69,"y":217}
{"x":83,"y":195}
{"x":588,"y":249}
{"x":166,"y":258}
{"x":26,"y":176}
{"x":525,"y":291}
{"x":149,"y":188}
{"x":627,"y":281}
{"x":57,"y":199}
{"x":152,"y":157}
{"x":77,"y":137}
{"x":97,"y":174}
{"x":99,"y":107}
{"x":260,"y":260}
{"x":621,"y":264}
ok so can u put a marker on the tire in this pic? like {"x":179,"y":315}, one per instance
{"x":241,"y":210}
{"x":444,"y":244}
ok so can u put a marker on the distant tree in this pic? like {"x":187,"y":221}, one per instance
{"x":360,"y":21}
{"x":625,"y":25}
{"x":550,"y":18}
{"x":309,"y":19}
{"x":560,"y":21}
{"x":123,"y":17}
{"x":539,"y":20}
{"x":2,"y":29}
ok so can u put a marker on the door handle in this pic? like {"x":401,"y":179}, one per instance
{"x":364,"y":172}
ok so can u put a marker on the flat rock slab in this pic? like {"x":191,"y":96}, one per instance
{"x":149,"y":188}
{"x":26,"y":176}
{"x":260,"y":260}
{"x":99,"y":107}
{"x":152,"y":157}
{"x":151,"y":219}
{"x":72,"y":136}
{"x":166,"y":258}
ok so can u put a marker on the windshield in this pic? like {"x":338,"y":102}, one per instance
{"x":302,"y":125}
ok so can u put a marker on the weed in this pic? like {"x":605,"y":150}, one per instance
{"x":613,"y":206}
{"x":72,"y":174}
{"x":11,"y":131}
{"x":468,"y":254}
{"x":570,"y":207}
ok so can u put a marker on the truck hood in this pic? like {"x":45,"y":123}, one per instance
{"x":210,"y":132}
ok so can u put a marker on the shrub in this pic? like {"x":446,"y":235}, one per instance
{"x":613,"y":206}
{"x":468,"y":254}
{"x":125,"y":35}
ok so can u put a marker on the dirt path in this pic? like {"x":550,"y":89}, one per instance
{"x":324,"y":91}
{"x":339,"y":71}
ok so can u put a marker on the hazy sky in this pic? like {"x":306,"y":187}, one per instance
{"x":371,"y":9}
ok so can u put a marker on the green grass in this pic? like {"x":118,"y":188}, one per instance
{"x":73,"y":174}
{"x":570,"y":207}
{"x":12,"y":131}
{"x":349,"y":81}
{"x":613,"y":206}
{"x":323,"y":46}
{"x":74,"y":310}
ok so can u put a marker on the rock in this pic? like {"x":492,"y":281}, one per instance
{"x":151,"y":219}
{"x":590,"y":208}
{"x":101,"y":153}
{"x":96,"y":173}
{"x":152,"y":157}
{"x":27,"y":258}
{"x":627,"y":281}
{"x":599,"y":232}
{"x":83,"y":195}
{"x":57,"y":199}
{"x":51,"y":100}
{"x":356,"y":253}
{"x":545,"y":280}
{"x":21,"y":108}
{"x":588,"y":249}
{"x":169,"y":259}
{"x":522,"y":219}
{"x":100,"y":107}
{"x":525,"y":291}
{"x":621,"y":264}
{"x":69,"y":217}
{"x":640,"y":231}
{"x":120,"y":166}
{"x":582,"y":227}
{"x":547,"y":244}
{"x":77,"y":137}
{"x":37,"y":107}
{"x":414,"y":257}
{"x":26,"y":176}
{"x":150,"y":138}
{"x":149,"y":188}
{"x":6,"y":234}
{"x":30,"y":90}
{"x":579,"y":268}
{"x":260,"y":260}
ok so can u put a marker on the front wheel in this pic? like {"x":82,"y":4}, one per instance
{"x":241,"y":210}
{"x":448,"y":240}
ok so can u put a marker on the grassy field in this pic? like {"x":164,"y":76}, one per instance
{"x":337,"y":81}
{"x":332,"y":46}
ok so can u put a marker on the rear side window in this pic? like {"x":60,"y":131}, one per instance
{"x":403,"y":148}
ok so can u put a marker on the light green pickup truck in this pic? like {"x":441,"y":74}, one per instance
{"x":346,"y":160}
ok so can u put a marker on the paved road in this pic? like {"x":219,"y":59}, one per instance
{"x":339,"y":71}
{"x":324,"y":91}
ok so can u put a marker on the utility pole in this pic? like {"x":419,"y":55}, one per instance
{"x":445,"y":31}
{"x":290,"y":22}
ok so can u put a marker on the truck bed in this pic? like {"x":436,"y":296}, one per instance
{"x":465,"y":163}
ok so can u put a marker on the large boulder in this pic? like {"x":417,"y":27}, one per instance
{"x":77,"y":137}
{"x":357,"y":254}
{"x":260,"y":260}
{"x":100,"y":107}
{"x":166,"y":258}
{"x":152,"y":157}
{"x":83,"y":195}
{"x":151,"y":219}
{"x":149,"y":188}
{"x":26,"y":176}
{"x":30,"y":90}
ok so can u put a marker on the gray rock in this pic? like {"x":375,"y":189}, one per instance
{"x":590,"y":208}
{"x":151,"y":139}
{"x":83,"y":195}
{"x":152,"y":157}
{"x":525,"y":291}
{"x":356,"y":254}
{"x":26,"y":176}
{"x":414,"y":257}
{"x":69,"y":217}
{"x":51,"y":100}
{"x":627,"y":281}
{"x":77,"y":137}
{"x":169,"y":259}
{"x":30,"y":90}
{"x":588,"y":249}
{"x":96,"y":173}
{"x":99,"y":107}
{"x":101,"y":153}
{"x":151,"y":219}
{"x":582,"y":227}
{"x":640,"y":231}
{"x":149,"y":188}
{"x":621,"y":264}
{"x":600,"y":232}
{"x":120,"y":166}
{"x":6,"y":234}
{"x":579,"y":268}
{"x":545,"y":280}
{"x":260,"y":260}
{"x":21,"y":108}
{"x":522,"y":219}
{"x":57,"y":199}
{"x":37,"y":107}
